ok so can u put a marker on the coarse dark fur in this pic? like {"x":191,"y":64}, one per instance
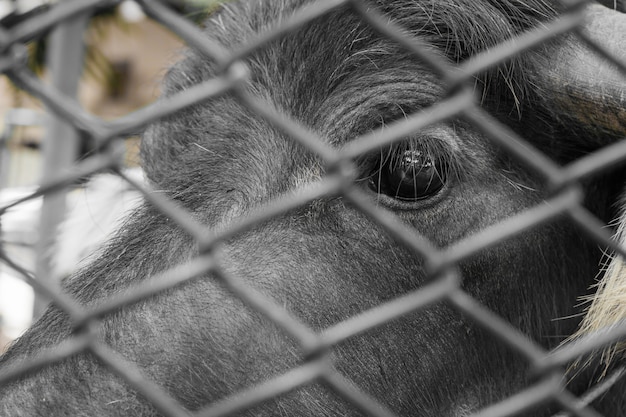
{"x":326,"y":262}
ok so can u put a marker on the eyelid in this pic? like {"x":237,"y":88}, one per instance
{"x":441,"y":134}
{"x":439,"y":141}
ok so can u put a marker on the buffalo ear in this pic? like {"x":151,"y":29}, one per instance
{"x":580,"y":85}
{"x":594,"y":94}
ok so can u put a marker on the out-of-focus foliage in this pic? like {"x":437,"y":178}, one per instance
{"x":97,"y":66}
{"x":198,"y":10}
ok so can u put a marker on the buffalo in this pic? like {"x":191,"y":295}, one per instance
{"x":338,"y":83}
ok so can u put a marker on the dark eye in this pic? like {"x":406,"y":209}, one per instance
{"x":409,"y":175}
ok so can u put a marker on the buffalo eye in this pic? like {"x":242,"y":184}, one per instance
{"x":409,"y":175}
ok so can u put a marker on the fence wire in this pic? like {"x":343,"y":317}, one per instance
{"x":441,"y":264}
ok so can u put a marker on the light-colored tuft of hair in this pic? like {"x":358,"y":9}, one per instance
{"x":608,"y":304}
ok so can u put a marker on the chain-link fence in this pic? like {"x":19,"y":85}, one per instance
{"x":441,"y":265}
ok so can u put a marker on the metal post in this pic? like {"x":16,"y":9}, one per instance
{"x":60,"y":144}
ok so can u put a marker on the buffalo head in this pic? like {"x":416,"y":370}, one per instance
{"x":404,"y":186}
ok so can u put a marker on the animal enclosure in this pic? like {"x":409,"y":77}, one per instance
{"x":336,"y":180}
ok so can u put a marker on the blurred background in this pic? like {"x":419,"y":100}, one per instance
{"x":125,"y":55}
